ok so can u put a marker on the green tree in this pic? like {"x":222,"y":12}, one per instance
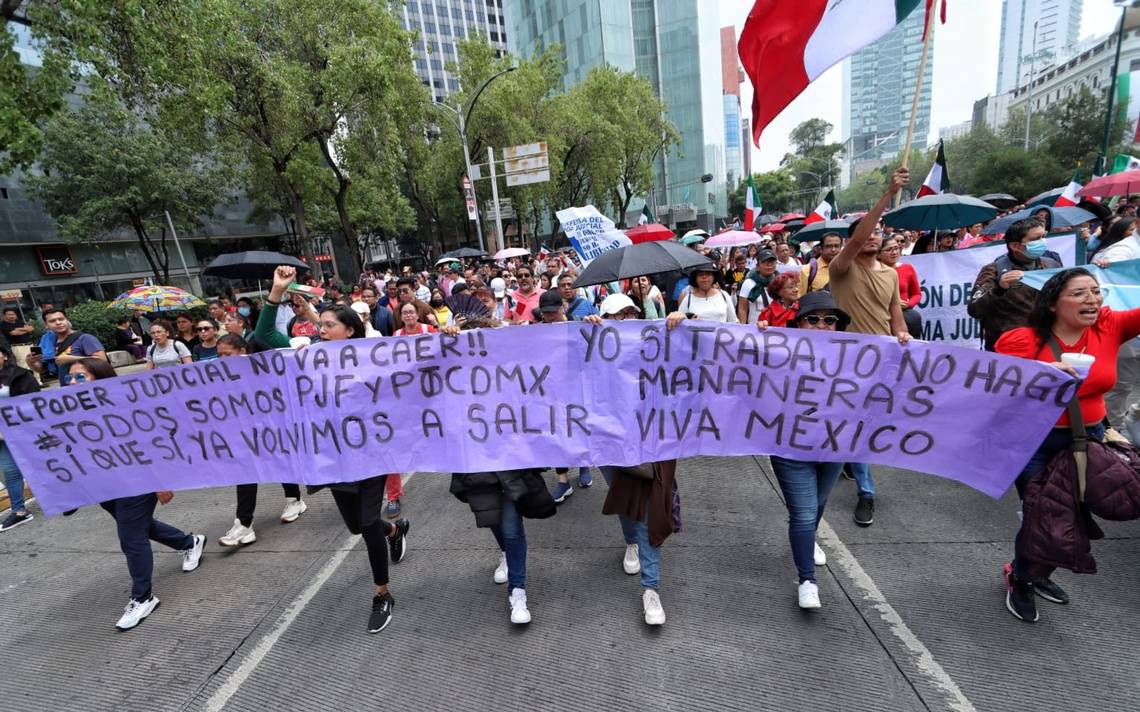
{"x":106,"y":168}
{"x":1012,"y":170}
{"x":815,"y":163}
{"x":1075,"y":130}
{"x":776,"y":190}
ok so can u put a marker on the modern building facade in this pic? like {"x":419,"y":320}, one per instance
{"x":440,"y":26}
{"x":675,"y":45}
{"x":731,"y":77}
{"x":878,"y":89}
{"x":949,"y":133}
{"x":1034,"y":28}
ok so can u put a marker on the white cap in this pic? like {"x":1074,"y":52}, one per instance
{"x":499,"y":287}
{"x":360,"y":308}
{"x":617,"y":303}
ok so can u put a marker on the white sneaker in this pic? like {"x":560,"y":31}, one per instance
{"x":193,"y":556}
{"x":820,"y":556}
{"x":135,"y":611}
{"x":238,"y":535}
{"x":651,"y":602}
{"x":809,"y":595}
{"x":501,"y":570}
{"x":519,"y":612}
{"x":294,"y":508}
{"x":631,"y":562}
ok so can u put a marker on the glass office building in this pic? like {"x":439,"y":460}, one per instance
{"x":441,"y":25}
{"x":675,"y":45}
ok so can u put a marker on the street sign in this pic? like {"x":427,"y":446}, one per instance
{"x":530,"y":163}
{"x":507,"y":210}
{"x":527,"y":177}
{"x":510,"y":153}
{"x":9,"y":295}
{"x":469,"y":197}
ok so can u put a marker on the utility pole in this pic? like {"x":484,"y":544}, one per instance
{"x":499,"y":240}
{"x":1102,"y":159}
{"x":1029,"y":98}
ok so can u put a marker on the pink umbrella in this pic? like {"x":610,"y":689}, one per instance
{"x":733,"y":238}
{"x":1123,"y":183}
{"x":510,"y":252}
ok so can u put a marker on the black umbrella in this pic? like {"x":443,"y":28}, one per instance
{"x":794,"y":224}
{"x":1000,"y":200}
{"x":946,"y":211}
{"x":816,"y":230}
{"x":254,"y":264}
{"x":766,"y":220}
{"x":1049,"y":197}
{"x":637,"y":260}
{"x":463,"y":252}
{"x":1059,"y":218}
{"x":1099,"y":209}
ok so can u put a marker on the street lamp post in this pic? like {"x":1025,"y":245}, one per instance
{"x":1102,"y":159}
{"x":461,"y":117}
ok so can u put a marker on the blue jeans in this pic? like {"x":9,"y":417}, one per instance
{"x":511,"y":536}
{"x":806,"y":486}
{"x":863,"y":481}
{"x":637,"y":532}
{"x":134,"y":517}
{"x":13,"y":479}
{"x":1057,"y":440}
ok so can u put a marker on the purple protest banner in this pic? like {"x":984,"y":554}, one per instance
{"x":537,"y":396}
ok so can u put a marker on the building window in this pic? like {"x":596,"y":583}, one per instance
{"x":3,"y":193}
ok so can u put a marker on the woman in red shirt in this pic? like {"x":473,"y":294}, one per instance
{"x":909,"y":290}
{"x":411,"y":324}
{"x":784,"y":289}
{"x":1069,"y":308}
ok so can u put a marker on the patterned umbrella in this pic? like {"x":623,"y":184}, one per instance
{"x":156,"y":299}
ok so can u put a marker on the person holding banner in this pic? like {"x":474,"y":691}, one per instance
{"x":703,"y":299}
{"x":14,"y":381}
{"x":868,"y":290}
{"x":359,"y":501}
{"x":1069,"y":313}
{"x":999,"y":300}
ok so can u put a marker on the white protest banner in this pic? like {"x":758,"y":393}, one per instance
{"x":590,"y":232}
{"x":947,"y":279}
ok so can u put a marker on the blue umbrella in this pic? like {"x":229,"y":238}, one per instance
{"x":816,"y":230}
{"x":1120,"y":282}
{"x":1059,"y":218}
{"x":947,"y":211}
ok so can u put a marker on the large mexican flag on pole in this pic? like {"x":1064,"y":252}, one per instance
{"x":787,"y":44}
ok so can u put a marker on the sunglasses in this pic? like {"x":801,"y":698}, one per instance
{"x":814,"y":319}
{"x":204,"y":328}
{"x":524,"y":275}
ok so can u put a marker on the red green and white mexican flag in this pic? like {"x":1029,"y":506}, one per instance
{"x":786,"y":44}
{"x":752,"y":206}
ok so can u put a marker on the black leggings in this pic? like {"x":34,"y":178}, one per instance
{"x":247,"y":500}
{"x":360,"y":510}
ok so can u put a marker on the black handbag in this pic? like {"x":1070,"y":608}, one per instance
{"x":644,"y":471}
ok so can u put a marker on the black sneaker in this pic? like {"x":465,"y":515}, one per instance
{"x":14,"y":520}
{"x":1046,"y":588}
{"x":848,"y":474}
{"x":865,"y":511}
{"x":1019,"y":597}
{"x":398,"y":540}
{"x":381,"y":614}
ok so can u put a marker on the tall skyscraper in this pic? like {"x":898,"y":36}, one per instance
{"x":1057,"y":24}
{"x":441,"y":25}
{"x":731,"y":77}
{"x":675,"y":45}
{"x":878,"y":89}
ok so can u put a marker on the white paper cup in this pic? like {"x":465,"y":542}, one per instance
{"x":299,"y":341}
{"x":1081,"y":363}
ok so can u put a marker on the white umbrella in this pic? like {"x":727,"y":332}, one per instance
{"x":512,"y":252}
{"x":734,"y":238}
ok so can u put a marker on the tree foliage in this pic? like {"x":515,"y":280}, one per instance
{"x":776,"y":189}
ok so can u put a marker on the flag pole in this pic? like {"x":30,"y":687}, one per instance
{"x":930,"y":22}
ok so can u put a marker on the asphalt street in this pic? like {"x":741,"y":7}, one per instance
{"x":913,"y":616}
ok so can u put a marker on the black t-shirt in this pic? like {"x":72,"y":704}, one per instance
{"x":7,"y":327}
{"x":205,"y":353}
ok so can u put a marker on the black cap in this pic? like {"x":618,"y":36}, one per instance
{"x":550,"y":301}
{"x":822,"y":301}
{"x":765,"y":255}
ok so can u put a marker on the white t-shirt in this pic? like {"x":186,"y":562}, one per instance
{"x":755,"y":306}
{"x":717,"y":307}
{"x":167,"y":356}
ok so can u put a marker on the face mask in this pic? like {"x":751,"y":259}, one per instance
{"x":436,"y":303}
{"x":244,"y":311}
{"x":1034,"y":250}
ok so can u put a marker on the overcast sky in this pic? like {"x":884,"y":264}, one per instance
{"x":965,"y":69}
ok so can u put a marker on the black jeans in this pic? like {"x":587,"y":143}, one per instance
{"x":134,"y":517}
{"x":247,"y":500}
{"x":360,"y":509}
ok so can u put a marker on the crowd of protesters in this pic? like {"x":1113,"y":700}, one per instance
{"x":859,"y":282}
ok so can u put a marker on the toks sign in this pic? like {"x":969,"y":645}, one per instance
{"x":56,"y":260}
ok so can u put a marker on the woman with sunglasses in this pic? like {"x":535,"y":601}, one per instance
{"x":207,"y":347}
{"x":807,"y":484}
{"x":358,"y":502}
{"x":137,"y":527}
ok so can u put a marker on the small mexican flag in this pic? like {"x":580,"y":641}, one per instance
{"x":1123,"y":162}
{"x":824,"y":211}
{"x":646,"y":216}
{"x":1069,"y":198}
{"x":786,"y":44}
{"x":752,"y":206}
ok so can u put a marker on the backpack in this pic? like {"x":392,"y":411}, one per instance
{"x":813,"y":270}
{"x":758,"y":290}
